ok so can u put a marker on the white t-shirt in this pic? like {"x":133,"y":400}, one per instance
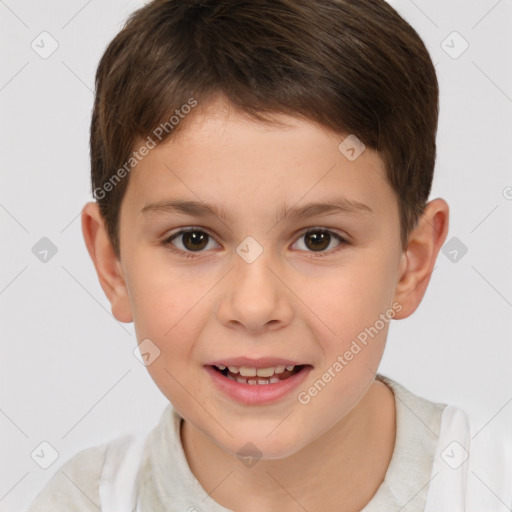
{"x":152,"y":472}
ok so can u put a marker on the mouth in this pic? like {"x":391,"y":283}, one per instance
{"x":259,"y":384}
{"x":258,"y":376}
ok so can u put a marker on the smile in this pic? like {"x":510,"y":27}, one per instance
{"x":258,"y":376}
{"x":257,"y":386}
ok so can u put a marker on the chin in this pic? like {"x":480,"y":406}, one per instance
{"x":248,"y":445}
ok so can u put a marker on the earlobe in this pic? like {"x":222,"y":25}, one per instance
{"x":107,"y":265}
{"x":419,"y":258}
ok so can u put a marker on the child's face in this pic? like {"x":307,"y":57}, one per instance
{"x":304,"y":299}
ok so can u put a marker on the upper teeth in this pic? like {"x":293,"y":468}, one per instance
{"x":245,"y":371}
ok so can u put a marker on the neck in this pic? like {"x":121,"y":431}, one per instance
{"x":341,"y":470}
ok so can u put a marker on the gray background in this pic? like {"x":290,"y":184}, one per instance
{"x":69,"y":376}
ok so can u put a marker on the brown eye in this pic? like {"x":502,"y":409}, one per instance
{"x":195,"y":240}
{"x":189,"y":241}
{"x":317,"y":240}
{"x":320,"y":240}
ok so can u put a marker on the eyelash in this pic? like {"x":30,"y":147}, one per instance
{"x":192,"y":254}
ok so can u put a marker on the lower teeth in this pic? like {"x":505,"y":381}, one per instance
{"x":241,"y":380}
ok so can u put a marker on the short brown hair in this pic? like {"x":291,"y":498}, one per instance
{"x":354,"y":66}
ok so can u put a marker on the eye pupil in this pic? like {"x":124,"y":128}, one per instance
{"x":319,"y":239}
{"x":195,"y":237}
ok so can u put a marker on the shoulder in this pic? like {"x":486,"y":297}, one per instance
{"x":483,"y":439}
{"x":473,"y":464}
{"x":74,"y":486}
{"x":489,"y":480}
{"x":104,"y":474}
{"x":491,"y":443}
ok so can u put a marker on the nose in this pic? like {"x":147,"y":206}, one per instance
{"x":255,"y":298}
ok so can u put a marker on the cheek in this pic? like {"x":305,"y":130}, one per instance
{"x":166,"y":311}
{"x":356,"y":307}
{"x":353,"y":298}
{"x":160,"y":296}
{"x":357,"y":311}
{"x":165,"y":308}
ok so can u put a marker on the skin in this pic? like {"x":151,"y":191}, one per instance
{"x":288,"y":303}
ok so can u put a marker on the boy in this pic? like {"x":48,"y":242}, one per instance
{"x":261,"y":172}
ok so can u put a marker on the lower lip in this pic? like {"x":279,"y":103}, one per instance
{"x":257,"y":394}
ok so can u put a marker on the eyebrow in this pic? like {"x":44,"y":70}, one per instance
{"x":203,"y":209}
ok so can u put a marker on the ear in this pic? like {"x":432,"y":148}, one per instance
{"x":419,"y":257}
{"x":108,"y":267}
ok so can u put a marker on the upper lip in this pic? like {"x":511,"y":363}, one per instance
{"x":264,"y":362}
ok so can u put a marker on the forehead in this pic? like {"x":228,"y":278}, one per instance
{"x":222,"y":156}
